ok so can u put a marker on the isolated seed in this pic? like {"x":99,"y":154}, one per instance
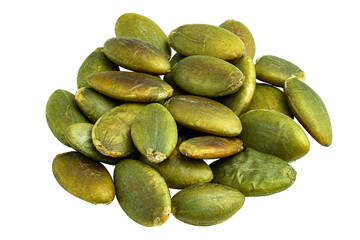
{"x":254,"y":173}
{"x":276,"y":71}
{"x":204,"y":39}
{"x":84,"y":178}
{"x":206,"y":204}
{"x":136,"y":55}
{"x":142,"y":193}
{"x":131,"y":86}
{"x":274,"y":133}
{"x":210,"y":147}
{"x":309,"y":109}
{"x":207,"y":76}
{"x":138,"y":26}
{"x":154,"y":132}
{"x":203,"y":114}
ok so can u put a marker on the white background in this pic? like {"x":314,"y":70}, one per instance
{"x":43,"y":43}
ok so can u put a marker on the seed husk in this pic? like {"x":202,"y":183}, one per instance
{"x":61,"y":112}
{"x":309,"y":109}
{"x":206,"y":204}
{"x":142,"y":193}
{"x":111,"y":133}
{"x":84,"y":178}
{"x":254,"y":173}
{"x":204,"y":39}
{"x":210,"y":147}
{"x":154,"y":132}
{"x":203,"y":114}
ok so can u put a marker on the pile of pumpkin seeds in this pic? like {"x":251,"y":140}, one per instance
{"x":161,"y":120}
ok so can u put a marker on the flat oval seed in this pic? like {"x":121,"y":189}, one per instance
{"x":93,"y":104}
{"x":203,"y":114}
{"x":276,"y":71}
{"x":95,"y":62}
{"x":154,"y":132}
{"x":142,"y":193}
{"x":269,"y":98}
{"x":138,"y":26}
{"x":78,"y":136}
{"x":84,"y":178}
{"x":254,"y":173}
{"x":240,"y":100}
{"x":204,"y":39}
{"x":131,"y":86}
{"x":240,"y":30}
{"x":180,"y":171}
{"x":210,"y":147}
{"x":61,"y":112}
{"x":136,"y":55}
{"x":206,"y":204}
{"x":274,"y":133}
{"x":111,"y":133}
{"x":207,"y":76}
{"x":310,"y":110}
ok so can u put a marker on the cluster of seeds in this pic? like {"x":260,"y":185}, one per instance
{"x":159,"y":132}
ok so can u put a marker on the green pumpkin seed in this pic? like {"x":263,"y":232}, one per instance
{"x":84,"y":178}
{"x":254,"y":173}
{"x":138,"y":26}
{"x":93,"y":104}
{"x":180,"y":171}
{"x":207,"y":76}
{"x":274,"y":133}
{"x":111,"y":133}
{"x":78,"y":136}
{"x":154,"y":132}
{"x":137,"y":55}
{"x":240,"y":30}
{"x":61,"y":112}
{"x":310,"y":110}
{"x":203,"y":114}
{"x":276,"y":71}
{"x":130,"y":86}
{"x":206,"y":204}
{"x":240,"y":100}
{"x":142,"y":193}
{"x":269,"y":98}
{"x":95,"y":62}
{"x":204,"y":39}
{"x":210,"y":147}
